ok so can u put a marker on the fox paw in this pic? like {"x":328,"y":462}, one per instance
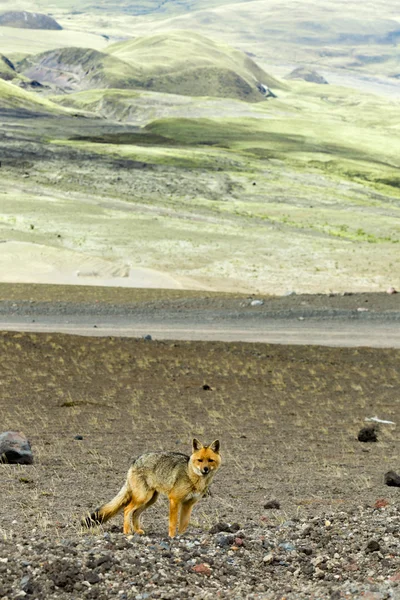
{"x":139,"y":531}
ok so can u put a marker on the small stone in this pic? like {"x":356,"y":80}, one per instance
{"x":272,"y":504}
{"x":222,"y":526}
{"x":224,"y":540}
{"x":218,"y":527}
{"x":391,"y":290}
{"x":256,"y":302}
{"x":147,"y":338}
{"x":92,"y":577}
{"x":26,"y":585}
{"x":368,"y":434}
{"x":207,"y":387}
{"x":78,"y":437}
{"x":287,"y":546}
{"x":202,"y":568}
{"x":381,"y":503}
{"x":372,"y":546}
{"x":238,"y":541}
{"x":392,"y":479}
{"x":269,"y":558}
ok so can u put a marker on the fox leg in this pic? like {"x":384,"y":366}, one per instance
{"x":138,"y":511}
{"x":174,"y":506}
{"x":133,"y":510}
{"x":186,"y":511}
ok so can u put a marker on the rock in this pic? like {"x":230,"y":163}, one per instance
{"x":202,"y":568}
{"x":391,"y":290}
{"x":372,"y":546}
{"x":78,"y":437}
{"x":272,"y":504}
{"x":256,"y":303}
{"x":287,"y":546}
{"x":15,"y":448}
{"x":392,"y":479}
{"x":238,"y":541}
{"x":368,"y":434}
{"x":224,"y":540}
{"x":225,"y":527}
{"x":26,"y":585}
{"x":269,"y":558}
{"x":147,"y":338}
{"x":207,"y":387}
{"x":92,"y":577}
{"x":381,"y":503}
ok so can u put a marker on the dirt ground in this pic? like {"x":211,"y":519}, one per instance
{"x":287,"y":417}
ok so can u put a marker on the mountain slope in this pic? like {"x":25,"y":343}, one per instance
{"x":175,"y":63}
{"x":80,"y":69}
{"x":185,"y":63}
{"x":13,"y":97}
{"x":7,"y":69}
{"x":27,"y":20}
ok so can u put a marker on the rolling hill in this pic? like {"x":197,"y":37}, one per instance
{"x":176,"y":63}
{"x":14,"y":98}
{"x":28,"y":20}
{"x":185,"y":63}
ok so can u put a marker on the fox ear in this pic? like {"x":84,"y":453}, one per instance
{"x":215,"y":446}
{"x":197,"y":445}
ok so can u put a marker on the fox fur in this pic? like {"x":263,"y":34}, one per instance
{"x":184,"y":479}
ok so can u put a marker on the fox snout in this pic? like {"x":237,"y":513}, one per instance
{"x":205,"y":470}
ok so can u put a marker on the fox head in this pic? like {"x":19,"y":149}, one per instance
{"x":205,"y":459}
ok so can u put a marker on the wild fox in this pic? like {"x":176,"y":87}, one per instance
{"x":184,"y":479}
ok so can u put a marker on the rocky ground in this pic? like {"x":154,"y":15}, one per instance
{"x":353,"y":554}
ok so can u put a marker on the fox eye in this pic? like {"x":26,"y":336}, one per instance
{"x":210,"y":460}
{"x":200,"y":459}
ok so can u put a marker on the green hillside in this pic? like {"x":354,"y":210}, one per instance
{"x":177,"y":63}
{"x":185,"y":63}
{"x":13,"y":97}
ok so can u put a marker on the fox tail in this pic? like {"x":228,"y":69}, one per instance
{"x":106,"y":511}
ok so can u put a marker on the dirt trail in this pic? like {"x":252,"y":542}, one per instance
{"x":277,"y":321}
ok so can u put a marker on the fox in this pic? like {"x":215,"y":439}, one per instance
{"x":182,"y":478}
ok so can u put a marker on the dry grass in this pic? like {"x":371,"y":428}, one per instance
{"x":288,"y":418}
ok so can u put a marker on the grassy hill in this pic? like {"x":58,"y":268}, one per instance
{"x":359,"y":36}
{"x":176,"y":63}
{"x":12,"y":97}
{"x":185,"y":63}
{"x":340,"y":133}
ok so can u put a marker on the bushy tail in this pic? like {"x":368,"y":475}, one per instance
{"x":105,"y":512}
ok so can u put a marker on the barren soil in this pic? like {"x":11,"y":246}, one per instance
{"x":287,"y":417}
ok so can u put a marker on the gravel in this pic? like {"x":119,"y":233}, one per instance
{"x":354,"y":554}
